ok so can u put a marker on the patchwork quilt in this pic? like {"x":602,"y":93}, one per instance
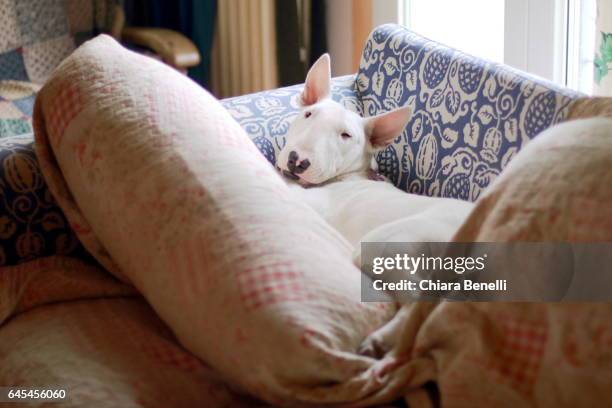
{"x":16,"y":106}
{"x":38,"y":34}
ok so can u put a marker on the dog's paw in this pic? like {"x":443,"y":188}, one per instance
{"x":374,"y":346}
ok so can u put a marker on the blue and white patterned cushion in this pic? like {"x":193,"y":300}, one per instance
{"x":470,"y":116}
{"x":266,"y":115}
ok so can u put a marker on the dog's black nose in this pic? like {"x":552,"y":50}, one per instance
{"x":304,"y":164}
{"x":293,"y":156}
{"x":295,"y":165}
{"x":292,"y":161}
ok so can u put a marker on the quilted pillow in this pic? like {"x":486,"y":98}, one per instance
{"x":558,"y":188}
{"x":168,"y":192}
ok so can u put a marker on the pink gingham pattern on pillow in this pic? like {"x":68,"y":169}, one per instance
{"x":169,"y":193}
{"x":66,"y":106}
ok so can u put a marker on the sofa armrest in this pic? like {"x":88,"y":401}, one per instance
{"x":590,"y":107}
{"x":174,"y":48}
{"x":266,"y":116}
{"x":31,"y":223}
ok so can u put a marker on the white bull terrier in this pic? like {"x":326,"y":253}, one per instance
{"x":330,"y":150}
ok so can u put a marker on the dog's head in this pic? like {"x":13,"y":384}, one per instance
{"x":326,"y":140}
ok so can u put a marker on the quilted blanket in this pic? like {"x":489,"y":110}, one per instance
{"x":96,"y":337}
{"x":69,"y":324}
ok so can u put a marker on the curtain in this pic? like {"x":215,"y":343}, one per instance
{"x":264,"y":44}
{"x":318,"y":30}
{"x":193,"y":18}
{"x":304,"y":38}
{"x":291,"y":68}
{"x":603,"y":53}
{"x":244,"y":51}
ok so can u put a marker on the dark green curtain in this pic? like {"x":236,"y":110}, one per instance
{"x":291,"y":70}
{"x":318,"y":31}
{"x":193,"y":18}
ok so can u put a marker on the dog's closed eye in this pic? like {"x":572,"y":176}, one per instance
{"x":345,"y":135}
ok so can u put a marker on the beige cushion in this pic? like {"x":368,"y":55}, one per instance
{"x":168,"y":192}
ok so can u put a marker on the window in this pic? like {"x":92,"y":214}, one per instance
{"x":581,"y":36}
{"x":473,"y":26}
{"x":553,"y":39}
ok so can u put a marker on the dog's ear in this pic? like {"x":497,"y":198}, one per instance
{"x":382,"y":129}
{"x":318,"y":82}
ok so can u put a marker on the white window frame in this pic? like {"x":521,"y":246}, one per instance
{"x":535,"y":37}
{"x":387,"y":11}
{"x":582,"y":16}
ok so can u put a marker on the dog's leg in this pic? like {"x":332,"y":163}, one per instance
{"x":397,"y":336}
{"x":378,"y":343}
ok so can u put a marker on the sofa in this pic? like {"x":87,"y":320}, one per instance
{"x":470,"y":118}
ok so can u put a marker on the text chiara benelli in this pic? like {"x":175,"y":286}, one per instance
{"x":423,"y":263}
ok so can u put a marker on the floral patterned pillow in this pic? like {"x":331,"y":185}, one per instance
{"x":31,"y":223}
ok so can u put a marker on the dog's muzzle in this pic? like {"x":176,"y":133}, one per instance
{"x":290,"y":175}
{"x":295,"y":165}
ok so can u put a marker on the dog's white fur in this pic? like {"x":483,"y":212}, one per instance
{"x":339,"y":146}
{"x":340,"y":188}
